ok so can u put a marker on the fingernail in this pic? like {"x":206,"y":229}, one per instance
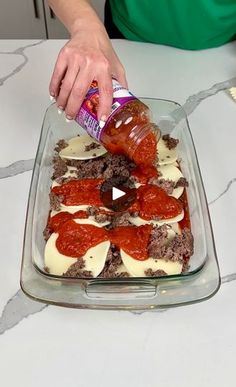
{"x":52,"y":98}
{"x":69,"y":118}
{"x":60,"y":109}
{"x":102,"y":121}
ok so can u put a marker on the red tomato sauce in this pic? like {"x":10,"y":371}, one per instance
{"x":146,"y":151}
{"x":152,"y":202}
{"x":144,"y":173}
{"x":62,"y":217}
{"x":155,"y":203}
{"x":133,"y":240}
{"x":78,"y":192}
{"x":185,"y":222}
{"x":75,"y":239}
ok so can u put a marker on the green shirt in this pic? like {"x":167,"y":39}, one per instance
{"x":188,"y":24}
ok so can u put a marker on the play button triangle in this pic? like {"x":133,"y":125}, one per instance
{"x":117,"y":193}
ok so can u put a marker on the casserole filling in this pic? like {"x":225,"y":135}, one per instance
{"x":151,"y":237}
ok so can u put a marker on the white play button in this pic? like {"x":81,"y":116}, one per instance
{"x":117,"y":193}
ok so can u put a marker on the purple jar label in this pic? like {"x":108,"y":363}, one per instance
{"x":87,"y":115}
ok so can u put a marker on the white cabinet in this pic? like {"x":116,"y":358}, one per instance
{"x":33,"y":19}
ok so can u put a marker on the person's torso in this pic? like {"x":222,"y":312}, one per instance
{"x":188,"y":24}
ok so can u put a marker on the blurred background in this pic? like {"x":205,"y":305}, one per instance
{"x":33,"y":19}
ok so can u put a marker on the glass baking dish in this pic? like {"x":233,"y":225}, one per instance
{"x":200,"y":282}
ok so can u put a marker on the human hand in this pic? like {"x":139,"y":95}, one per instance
{"x":87,"y":56}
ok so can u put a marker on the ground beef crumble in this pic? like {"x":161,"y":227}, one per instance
{"x":157,"y":240}
{"x":92,"y":210}
{"x":170,"y":142}
{"x":116,"y":219}
{"x":102,"y":218}
{"x":120,"y":219}
{"x":166,"y":184}
{"x":61,"y":144}
{"x":113,"y":261}
{"x":182,"y":182}
{"x":47,"y":232}
{"x":91,"y":146}
{"x":59,"y":167}
{"x":106,"y":166}
{"x":178,"y":249}
{"x":76,"y":270}
{"x":55,"y":201}
{"x":157,"y":273}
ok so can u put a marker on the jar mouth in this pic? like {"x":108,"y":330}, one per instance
{"x":138,"y":133}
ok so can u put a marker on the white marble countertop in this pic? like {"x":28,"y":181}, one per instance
{"x":186,"y":346}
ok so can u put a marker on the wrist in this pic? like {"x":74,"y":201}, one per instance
{"x":82,"y":25}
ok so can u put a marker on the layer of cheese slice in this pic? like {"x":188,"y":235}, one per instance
{"x":171,"y":172}
{"x":137,"y":268}
{"x":73,"y":209}
{"x":94,"y":258}
{"x":165,"y":155}
{"x":76,"y":148}
{"x":137,"y":221}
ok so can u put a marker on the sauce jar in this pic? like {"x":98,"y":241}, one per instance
{"x":128,"y":129}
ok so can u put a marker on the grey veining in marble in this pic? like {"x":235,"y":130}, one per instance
{"x":18,"y":308}
{"x":228,"y":278}
{"x":192,"y":103}
{"x":19,"y":51}
{"x":232,"y":181}
{"x":16,"y":168}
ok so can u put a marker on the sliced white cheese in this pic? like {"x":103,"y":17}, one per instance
{"x":70,"y":209}
{"x":175,"y":227}
{"x":171,"y":172}
{"x":137,"y":221}
{"x":55,"y":262}
{"x":90,"y":221}
{"x":165,"y":155}
{"x":74,"y":209}
{"x":76,"y":148}
{"x":137,"y":268}
{"x":94,"y":258}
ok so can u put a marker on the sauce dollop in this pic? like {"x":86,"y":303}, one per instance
{"x":154,"y":203}
{"x":144,"y":172}
{"x":78,"y":192}
{"x":133,"y":240}
{"x":75,"y":239}
{"x":57,"y":220}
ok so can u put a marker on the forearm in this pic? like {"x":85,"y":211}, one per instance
{"x":87,"y":56}
{"x":76,"y":14}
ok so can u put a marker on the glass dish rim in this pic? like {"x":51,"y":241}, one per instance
{"x":99,"y":280}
